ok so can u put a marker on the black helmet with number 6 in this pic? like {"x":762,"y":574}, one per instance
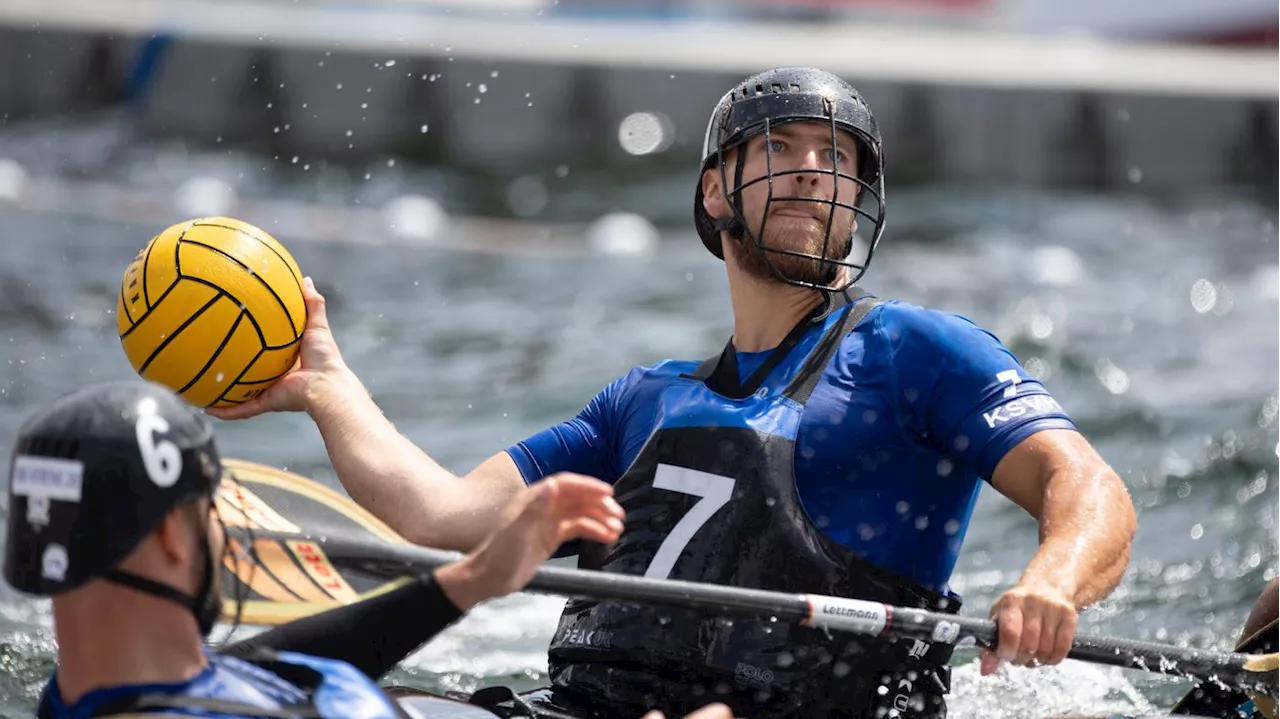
{"x":92,"y":475}
{"x":755,"y":107}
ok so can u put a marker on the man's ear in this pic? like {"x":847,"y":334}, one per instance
{"x":713,"y":200}
{"x":173,"y":535}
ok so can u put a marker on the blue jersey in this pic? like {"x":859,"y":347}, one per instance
{"x":915,"y":410}
{"x":343,"y":691}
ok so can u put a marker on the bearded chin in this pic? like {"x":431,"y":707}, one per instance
{"x":766,"y":265}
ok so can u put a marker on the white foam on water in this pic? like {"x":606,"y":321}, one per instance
{"x":37,"y":612}
{"x":1068,"y":689}
{"x":503,"y":637}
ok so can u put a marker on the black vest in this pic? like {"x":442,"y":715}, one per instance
{"x":711,"y":497}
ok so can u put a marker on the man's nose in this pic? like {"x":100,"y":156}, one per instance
{"x":811,"y":168}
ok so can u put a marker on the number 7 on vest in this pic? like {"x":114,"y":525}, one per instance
{"x":715,"y":490}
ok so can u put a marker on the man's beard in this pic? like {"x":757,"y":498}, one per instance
{"x":761,"y":263}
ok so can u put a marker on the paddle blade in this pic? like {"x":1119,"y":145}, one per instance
{"x":1216,"y":700}
{"x":282,"y":578}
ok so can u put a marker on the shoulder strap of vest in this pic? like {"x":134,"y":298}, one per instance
{"x":803,"y":384}
{"x":707,"y":367}
{"x":720,"y":373}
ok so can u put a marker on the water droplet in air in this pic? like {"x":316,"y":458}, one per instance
{"x":1203,"y":296}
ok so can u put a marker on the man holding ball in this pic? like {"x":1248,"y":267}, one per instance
{"x":836,"y":446}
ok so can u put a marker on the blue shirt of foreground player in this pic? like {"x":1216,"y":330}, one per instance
{"x":915,"y":411}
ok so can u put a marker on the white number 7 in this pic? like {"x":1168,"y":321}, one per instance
{"x":715,"y":490}
{"x":1011,"y":376}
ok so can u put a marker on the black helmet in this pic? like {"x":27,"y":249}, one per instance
{"x":93,"y":474}
{"x":772,"y":98}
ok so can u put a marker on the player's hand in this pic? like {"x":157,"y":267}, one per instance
{"x":1037,"y":624}
{"x":319,"y":368}
{"x":533,"y":525}
{"x":710,"y":711}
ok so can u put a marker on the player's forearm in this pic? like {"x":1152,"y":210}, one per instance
{"x":389,"y":475}
{"x":1086,"y":529}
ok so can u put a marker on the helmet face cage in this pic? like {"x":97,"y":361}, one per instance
{"x":760,"y":113}
{"x":227,"y":557}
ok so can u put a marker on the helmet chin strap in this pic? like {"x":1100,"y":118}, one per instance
{"x":202,"y":606}
{"x":734,"y":226}
{"x":152,"y":587}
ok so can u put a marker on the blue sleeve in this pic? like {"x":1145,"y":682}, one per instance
{"x":960,"y":390}
{"x":584,"y":444}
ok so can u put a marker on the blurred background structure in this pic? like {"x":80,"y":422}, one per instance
{"x":1094,"y":93}
{"x":495,"y":197}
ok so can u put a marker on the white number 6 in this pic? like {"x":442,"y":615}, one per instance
{"x":1011,"y":376}
{"x":715,"y":490}
{"x":162,"y":458}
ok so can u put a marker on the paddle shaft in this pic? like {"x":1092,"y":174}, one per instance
{"x":819,"y":611}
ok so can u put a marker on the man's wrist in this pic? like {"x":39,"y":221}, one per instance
{"x":464,"y":583}
{"x":333,"y":390}
{"x":1048,"y":572}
